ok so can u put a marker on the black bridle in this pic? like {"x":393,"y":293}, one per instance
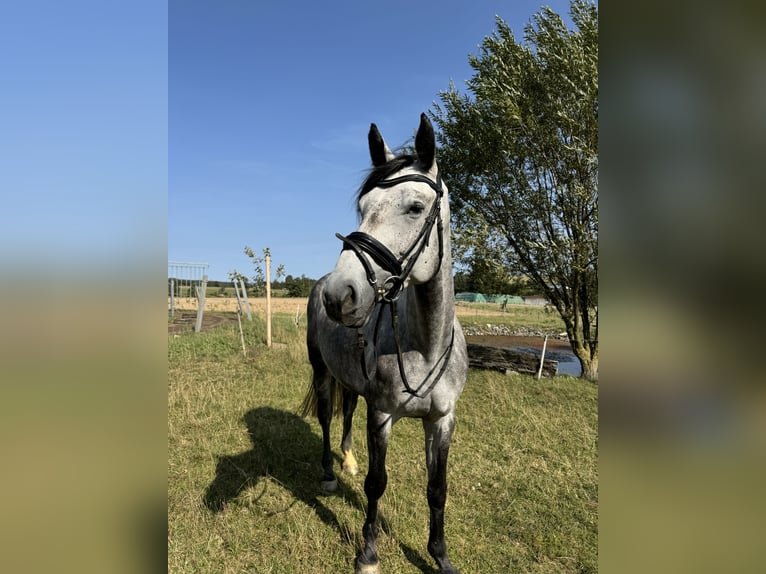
{"x":362,"y":243}
{"x":388,"y":292}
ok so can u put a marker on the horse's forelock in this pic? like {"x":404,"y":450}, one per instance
{"x":381,"y":172}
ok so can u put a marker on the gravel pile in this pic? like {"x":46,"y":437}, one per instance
{"x":489,"y":329}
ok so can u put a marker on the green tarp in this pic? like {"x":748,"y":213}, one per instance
{"x":471,"y":297}
{"x":481,"y":298}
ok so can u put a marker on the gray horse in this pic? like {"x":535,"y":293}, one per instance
{"x":383,"y":326}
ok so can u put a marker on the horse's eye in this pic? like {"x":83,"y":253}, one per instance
{"x":416,"y":208}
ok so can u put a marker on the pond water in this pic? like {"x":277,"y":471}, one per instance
{"x":556,"y":350}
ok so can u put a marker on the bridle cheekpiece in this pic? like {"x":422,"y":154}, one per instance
{"x":361,"y":243}
{"x":388,"y":292}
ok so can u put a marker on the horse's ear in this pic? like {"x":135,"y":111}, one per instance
{"x":379,"y":152}
{"x":425,"y":144}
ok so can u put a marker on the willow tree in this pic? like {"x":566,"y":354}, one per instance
{"x":521,"y":152}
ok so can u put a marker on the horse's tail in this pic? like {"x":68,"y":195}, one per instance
{"x":322,"y":381}
{"x":310,"y":404}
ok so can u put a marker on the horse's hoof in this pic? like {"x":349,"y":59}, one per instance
{"x":367,"y":568}
{"x":349,"y":463}
{"x":329,"y":485}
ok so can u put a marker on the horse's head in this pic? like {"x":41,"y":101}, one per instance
{"x":399,"y":241}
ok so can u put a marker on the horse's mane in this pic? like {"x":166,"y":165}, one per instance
{"x":381,"y":172}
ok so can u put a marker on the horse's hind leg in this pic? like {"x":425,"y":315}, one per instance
{"x":350,"y":399}
{"x":323,"y":387}
{"x":438,"y":437}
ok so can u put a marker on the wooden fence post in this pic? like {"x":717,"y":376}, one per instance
{"x":201,"y":289}
{"x":268,"y":300}
{"x":237,"y":284}
{"x":247,"y":302}
{"x":542,"y":358}
{"x":172,"y":298}
{"x":236,"y":292}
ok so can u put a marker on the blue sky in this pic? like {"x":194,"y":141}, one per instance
{"x":83,"y":134}
{"x":269,"y":108}
{"x":136,"y":132}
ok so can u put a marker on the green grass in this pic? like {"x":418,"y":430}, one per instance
{"x":243,"y":492}
{"x":532,"y":316}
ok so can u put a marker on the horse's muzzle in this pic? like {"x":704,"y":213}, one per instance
{"x":345,"y":303}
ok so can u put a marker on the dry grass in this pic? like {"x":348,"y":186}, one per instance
{"x":281,"y":305}
{"x":291,"y":305}
{"x":243,"y":493}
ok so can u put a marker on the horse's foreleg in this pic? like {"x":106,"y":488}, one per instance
{"x":438,"y":434}
{"x":378,"y":433}
{"x":350,"y":399}
{"x":323,"y":386}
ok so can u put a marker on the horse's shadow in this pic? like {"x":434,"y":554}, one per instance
{"x":284,"y":449}
{"x":283,"y":445}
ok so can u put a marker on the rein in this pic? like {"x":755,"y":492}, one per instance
{"x":389,"y":291}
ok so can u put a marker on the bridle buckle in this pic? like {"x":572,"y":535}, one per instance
{"x":392,"y":284}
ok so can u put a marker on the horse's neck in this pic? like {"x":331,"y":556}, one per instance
{"x":431,"y":312}
{"x":431,"y":306}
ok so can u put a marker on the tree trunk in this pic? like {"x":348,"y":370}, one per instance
{"x":588,"y":362}
{"x":583,"y":345}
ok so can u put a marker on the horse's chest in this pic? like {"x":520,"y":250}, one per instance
{"x":389,"y":393}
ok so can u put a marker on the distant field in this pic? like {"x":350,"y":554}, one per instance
{"x":258,"y":305}
{"x":532,"y":316}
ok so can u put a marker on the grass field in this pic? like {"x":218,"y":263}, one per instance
{"x":243,"y":469}
{"x":532,"y":316}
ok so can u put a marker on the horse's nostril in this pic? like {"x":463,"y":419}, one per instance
{"x":340,"y":303}
{"x":328,"y":301}
{"x":348,"y":303}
